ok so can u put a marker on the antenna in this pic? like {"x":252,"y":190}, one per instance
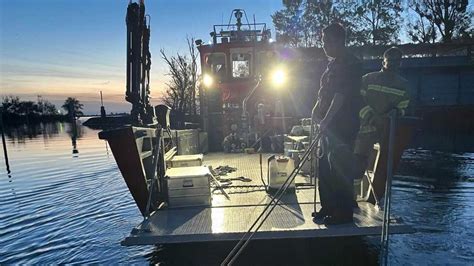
{"x":254,"y":28}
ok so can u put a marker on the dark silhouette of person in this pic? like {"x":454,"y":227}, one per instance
{"x":336,"y":110}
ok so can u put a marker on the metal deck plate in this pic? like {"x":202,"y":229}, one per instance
{"x":229,"y":219}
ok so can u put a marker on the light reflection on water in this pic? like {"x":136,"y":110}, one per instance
{"x":65,"y":202}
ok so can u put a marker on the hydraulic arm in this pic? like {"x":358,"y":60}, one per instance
{"x":138,"y":64}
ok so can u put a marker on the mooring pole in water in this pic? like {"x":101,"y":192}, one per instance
{"x":5,"y":152}
{"x":102,"y":108}
{"x":388,"y":190}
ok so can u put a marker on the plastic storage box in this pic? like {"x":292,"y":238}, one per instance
{"x":186,"y":160}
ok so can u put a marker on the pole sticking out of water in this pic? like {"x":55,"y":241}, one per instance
{"x":4,"y":141}
{"x":102,"y":108}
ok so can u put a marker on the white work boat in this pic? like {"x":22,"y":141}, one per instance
{"x":233,"y":207}
{"x":229,"y":218}
{"x":190,"y":204}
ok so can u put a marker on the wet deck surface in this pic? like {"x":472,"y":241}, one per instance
{"x":229,"y":218}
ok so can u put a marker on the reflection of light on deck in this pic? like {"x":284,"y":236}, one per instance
{"x":217,"y":217}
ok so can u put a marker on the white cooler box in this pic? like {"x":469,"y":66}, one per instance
{"x":188,"y":186}
{"x":186,"y":160}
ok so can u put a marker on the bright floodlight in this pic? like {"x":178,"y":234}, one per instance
{"x":278,"y":77}
{"x":207,"y":80}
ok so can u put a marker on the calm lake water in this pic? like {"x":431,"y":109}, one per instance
{"x":63,"y":200}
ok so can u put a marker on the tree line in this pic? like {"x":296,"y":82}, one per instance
{"x":374,"y":22}
{"x":15,"y":111}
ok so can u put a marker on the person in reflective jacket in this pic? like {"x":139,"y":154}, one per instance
{"x":382,"y":92}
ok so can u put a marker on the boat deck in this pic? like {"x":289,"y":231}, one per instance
{"x":229,"y":218}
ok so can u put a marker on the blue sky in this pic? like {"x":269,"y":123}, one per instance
{"x":62,"y":48}
{"x":76,"y":48}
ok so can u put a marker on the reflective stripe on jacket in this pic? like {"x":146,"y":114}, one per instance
{"x":382,"y":91}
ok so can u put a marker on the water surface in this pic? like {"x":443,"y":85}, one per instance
{"x":63,"y":200}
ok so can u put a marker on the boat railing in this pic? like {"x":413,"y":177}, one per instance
{"x":154,"y":178}
{"x":384,"y":240}
{"x":394,"y":123}
{"x":268,"y":209}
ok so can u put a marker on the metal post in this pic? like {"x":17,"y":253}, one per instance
{"x":388,"y":190}
{"x":4,"y":141}
{"x":203,"y":112}
{"x":283,"y":122}
{"x":156,"y":156}
{"x":312,"y":157}
{"x":245,"y":121}
{"x":312,"y":161}
{"x":275,"y":199}
{"x":102,"y":108}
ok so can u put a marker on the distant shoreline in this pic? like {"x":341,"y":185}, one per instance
{"x":14,"y":119}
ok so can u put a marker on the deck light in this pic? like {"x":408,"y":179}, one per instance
{"x":279,"y":77}
{"x":207,"y":80}
{"x":238,"y":14}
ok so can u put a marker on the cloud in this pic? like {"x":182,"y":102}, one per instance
{"x":104,"y":83}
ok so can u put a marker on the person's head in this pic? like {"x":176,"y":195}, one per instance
{"x":392,"y":58}
{"x":334,"y":40}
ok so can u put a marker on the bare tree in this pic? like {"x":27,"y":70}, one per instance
{"x":181,"y":92}
{"x":301,"y":22}
{"x":421,"y":30}
{"x":318,"y":15}
{"x":451,"y":18}
{"x":289,"y":24}
{"x":194,"y":70}
{"x":377,"y":22}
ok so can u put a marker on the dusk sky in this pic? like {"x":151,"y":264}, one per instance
{"x":76,"y":48}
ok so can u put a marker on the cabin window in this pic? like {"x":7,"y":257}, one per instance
{"x":241,"y":65}
{"x":216,"y":62}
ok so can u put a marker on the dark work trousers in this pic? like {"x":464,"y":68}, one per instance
{"x":336,"y":171}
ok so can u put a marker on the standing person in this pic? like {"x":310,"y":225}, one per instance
{"x":337,"y":110}
{"x":382,"y":92}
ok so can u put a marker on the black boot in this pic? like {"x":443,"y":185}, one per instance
{"x":320,"y":214}
{"x":339,"y":217}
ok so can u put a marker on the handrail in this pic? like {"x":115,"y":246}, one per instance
{"x":156,"y":155}
{"x":384,"y":241}
{"x":245,"y":114}
{"x":312,"y":169}
{"x":240,"y":246}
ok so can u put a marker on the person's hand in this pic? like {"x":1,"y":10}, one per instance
{"x":323,"y":125}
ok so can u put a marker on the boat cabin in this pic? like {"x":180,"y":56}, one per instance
{"x":237,"y":67}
